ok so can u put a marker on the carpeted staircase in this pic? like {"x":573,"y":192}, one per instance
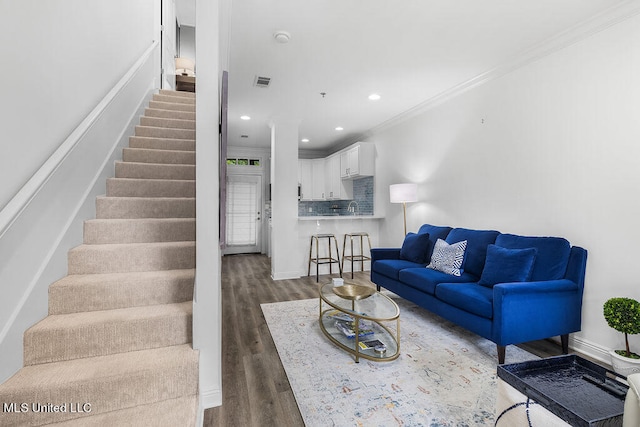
{"x":118,"y":334}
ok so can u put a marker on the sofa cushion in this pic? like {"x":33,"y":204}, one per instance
{"x":426,"y":279}
{"x":477,"y":242}
{"x":552,"y":257}
{"x":448,"y":258}
{"x":391,"y":267}
{"x":415,"y":247}
{"x":469,"y":297}
{"x":507,"y":265}
{"x":435,"y":232}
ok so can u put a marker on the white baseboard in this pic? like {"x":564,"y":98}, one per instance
{"x":284,"y":275}
{"x":210,"y":398}
{"x":588,"y":348}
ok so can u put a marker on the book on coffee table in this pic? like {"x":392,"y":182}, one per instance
{"x":348,"y":329}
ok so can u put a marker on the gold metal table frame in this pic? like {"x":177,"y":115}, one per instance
{"x":361,"y":303}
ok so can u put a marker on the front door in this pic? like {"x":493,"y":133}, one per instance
{"x":244,"y":201}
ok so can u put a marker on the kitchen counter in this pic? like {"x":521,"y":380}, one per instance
{"x":338,"y":217}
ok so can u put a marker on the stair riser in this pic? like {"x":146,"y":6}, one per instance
{"x":156,"y":105}
{"x":126,"y":207}
{"x":139,"y":231}
{"x":168,"y":92}
{"x":156,"y":132}
{"x":162,"y":143}
{"x":167,"y":123}
{"x":155,"y":171}
{"x":90,"y":259}
{"x":74,"y":294}
{"x":170,"y":114}
{"x":157,"y":380}
{"x":174,"y":99}
{"x":141,"y":155}
{"x":126,"y":187}
{"x":168,"y":413}
{"x":75,"y":341}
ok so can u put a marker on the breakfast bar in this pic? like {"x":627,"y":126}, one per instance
{"x":338,"y":225}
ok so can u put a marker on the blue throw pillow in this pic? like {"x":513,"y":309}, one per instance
{"x":415,"y":248}
{"x":448,"y":258}
{"x":507,"y":265}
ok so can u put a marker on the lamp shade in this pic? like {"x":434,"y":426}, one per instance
{"x":185,"y":65}
{"x":402,"y":193}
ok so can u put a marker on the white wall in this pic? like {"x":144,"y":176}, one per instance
{"x":60,"y":58}
{"x":73,"y":127}
{"x":552,"y":148}
{"x":188,"y":43}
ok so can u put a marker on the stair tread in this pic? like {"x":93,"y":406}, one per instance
{"x":145,"y":207}
{"x":143,"y":170}
{"x":163,"y":165}
{"x":103,"y":291}
{"x":88,"y":334}
{"x":84,"y":320}
{"x":70,"y":279}
{"x":90,"y":368}
{"x":185,"y":122}
{"x":140,"y":220}
{"x":166,"y":413}
{"x":174,"y":99}
{"x":161,"y":149}
{"x":88,"y":279}
{"x":153,"y":180}
{"x":120,"y":246}
{"x":159,"y":112}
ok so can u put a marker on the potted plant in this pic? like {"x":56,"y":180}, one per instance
{"x":623,"y":315}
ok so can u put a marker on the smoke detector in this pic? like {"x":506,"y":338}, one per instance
{"x":282,"y":36}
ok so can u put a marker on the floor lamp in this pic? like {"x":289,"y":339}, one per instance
{"x":403,"y":193}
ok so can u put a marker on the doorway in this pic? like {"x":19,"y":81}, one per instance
{"x":243,"y":224}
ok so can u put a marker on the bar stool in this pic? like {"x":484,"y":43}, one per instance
{"x":361,"y":257}
{"x":323,"y":260}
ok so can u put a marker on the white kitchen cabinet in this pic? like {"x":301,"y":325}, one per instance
{"x":311,"y":178}
{"x":336,"y":187}
{"x":357,"y":161}
{"x":305,"y":179}
{"x":318,"y":184}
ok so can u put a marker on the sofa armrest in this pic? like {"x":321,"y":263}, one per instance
{"x":532,"y":288}
{"x":530,"y":311}
{"x":384,"y":253}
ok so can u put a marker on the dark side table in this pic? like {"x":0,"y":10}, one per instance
{"x":563,"y":390}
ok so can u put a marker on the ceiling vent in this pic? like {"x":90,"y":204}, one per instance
{"x":261,"y":81}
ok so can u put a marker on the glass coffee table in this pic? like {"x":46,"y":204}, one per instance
{"x":360,"y":320}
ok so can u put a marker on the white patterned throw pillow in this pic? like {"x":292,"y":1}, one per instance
{"x":448,"y":258}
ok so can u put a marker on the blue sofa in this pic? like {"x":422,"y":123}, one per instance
{"x":511,"y":289}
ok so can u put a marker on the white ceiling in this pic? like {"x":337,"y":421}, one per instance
{"x":408,"y":52}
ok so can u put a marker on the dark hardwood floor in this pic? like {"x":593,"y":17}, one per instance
{"x":255,"y":388}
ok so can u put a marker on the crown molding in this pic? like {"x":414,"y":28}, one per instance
{"x":608,"y":18}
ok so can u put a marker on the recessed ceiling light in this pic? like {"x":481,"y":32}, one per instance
{"x":374,"y":97}
{"x":304,"y":140}
{"x":245,"y":117}
{"x":339,"y":128}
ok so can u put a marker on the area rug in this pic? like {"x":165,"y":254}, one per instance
{"x":445,"y":376}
